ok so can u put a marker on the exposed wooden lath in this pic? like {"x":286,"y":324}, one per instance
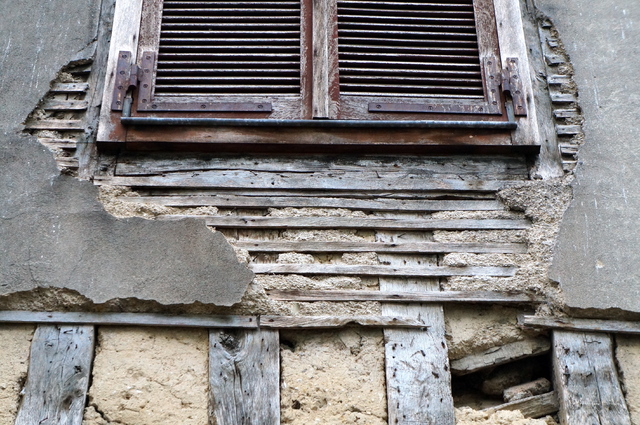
{"x":235,"y":48}
{"x":409,"y":48}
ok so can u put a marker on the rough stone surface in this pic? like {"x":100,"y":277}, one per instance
{"x":149,"y":377}
{"x":628,"y":357}
{"x":333,"y":378}
{"x":597,"y":261}
{"x":16,"y":342}
{"x":53,"y":231}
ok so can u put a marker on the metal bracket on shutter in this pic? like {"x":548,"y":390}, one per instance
{"x":493,"y":79}
{"x":126,"y":79}
{"x":512,"y":87}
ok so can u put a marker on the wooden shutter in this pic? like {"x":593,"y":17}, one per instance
{"x":228,"y":56}
{"x":417,"y":56}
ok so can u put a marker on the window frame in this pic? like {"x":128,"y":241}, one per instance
{"x":136,"y":29}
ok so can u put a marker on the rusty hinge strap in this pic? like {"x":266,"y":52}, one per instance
{"x":126,"y":79}
{"x":512,"y":87}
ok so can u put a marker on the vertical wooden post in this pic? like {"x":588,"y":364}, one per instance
{"x":417,"y":361}
{"x":244,"y":375}
{"x":58,"y":377}
{"x":586,"y":380}
{"x":324,"y":57}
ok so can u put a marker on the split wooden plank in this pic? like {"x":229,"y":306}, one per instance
{"x":318,"y":202}
{"x":358,"y":223}
{"x":69,"y":87}
{"x":440,"y":166}
{"x":404,"y":297}
{"x":327,"y":180}
{"x":55,"y":124}
{"x":58,"y":143}
{"x":129,"y":319}
{"x":589,"y":325}
{"x":497,"y":356}
{"x":586,"y":380}
{"x":416,"y":361}
{"x":398,"y":248}
{"x":563,"y":98}
{"x":244,"y":376}
{"x":566,"y":113}
{"x":58,"y":377}
{"x":65,"y":105}
{"x":531,"y":407}
{"x":557,"y":79}
{"x":568,"y":130}
{"x":529,"y":389}
{"x":366,"y":270}
{"x":325,"y":322}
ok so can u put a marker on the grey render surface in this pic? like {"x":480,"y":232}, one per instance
{"x":53,"y":231}
{"x":597,"y":259}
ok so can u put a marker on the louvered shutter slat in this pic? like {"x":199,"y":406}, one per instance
{"x":408,"y":49}
{"x":229,"y":48}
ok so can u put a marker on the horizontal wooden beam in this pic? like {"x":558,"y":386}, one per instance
{"x":65,"y":105}
{"x":129,"y":319}
{"x":360,"y":223}
{"x":365,"y":270}
{"x":321,"y":322}
{"x":327,"y":180}
{"x":531,"y":407}
{"x":231,"y":201}
{"x":55,"y":124}
{"x":398,"y":248}
{"x":572,"y":324}
{"x":413,"y":297}
{"x":497,"y":356}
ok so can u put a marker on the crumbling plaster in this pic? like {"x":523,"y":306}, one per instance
{"x":53,"y":231}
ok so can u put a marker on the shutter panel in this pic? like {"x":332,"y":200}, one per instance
{"x":224,"y":56}
{"x":414,"y":56}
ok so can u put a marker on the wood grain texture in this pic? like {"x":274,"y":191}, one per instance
{"x":531,"y":407}
{"x":400,"y":270}
{"x":244,"y":376}
{"x":326,"y":322}
{"x":586,"y":380}
{"x":404,"y":297}
{"x":496,"y":356}
{"x":416,"y":361}
{"x":58,"y":377}
{"x":129,"y":319}
{"x":361,"y":223}
{"x":589,"y":325}
{"x":221,"y":200}
{"x":358,"y":180}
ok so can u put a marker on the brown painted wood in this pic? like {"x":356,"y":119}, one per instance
{"x":497,"y":356}
{"x":398,"y":248}
{"x":404,"y":297}
{"x":128,"y":319}
{"x":58,"y":377}
{"x":586,"y":380}
{"x":399,"y":270}
{"x":588,"y":325}
{"x":244,"y":376}
{"x":322,"y":322}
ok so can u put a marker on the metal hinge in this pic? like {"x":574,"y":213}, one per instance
{"x":126,"y":80}
{"x":512,"y":88}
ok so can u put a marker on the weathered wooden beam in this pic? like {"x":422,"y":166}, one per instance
{"x":361,"y":180}
{"x":69,"y":87}
{"x":65,"y":105}
{"x":321,"y":322}
{"x":589,"y":325}
{"x":244,"y":376}
{"x":586,"y":380}
{"x":55,"y":124}
{"x":496,"y":356}
{"x":361,"y":223}
{"x":58,"y":377}
{"x":380,"y":247}
{"x":531,"y":407}
{"x":416,"y":362}
{"x":528,"y":389}
{"x":129,"y":319}
{"x":405,"y":297}
{"x":366,"y":270}
{"x":319,"y":202}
